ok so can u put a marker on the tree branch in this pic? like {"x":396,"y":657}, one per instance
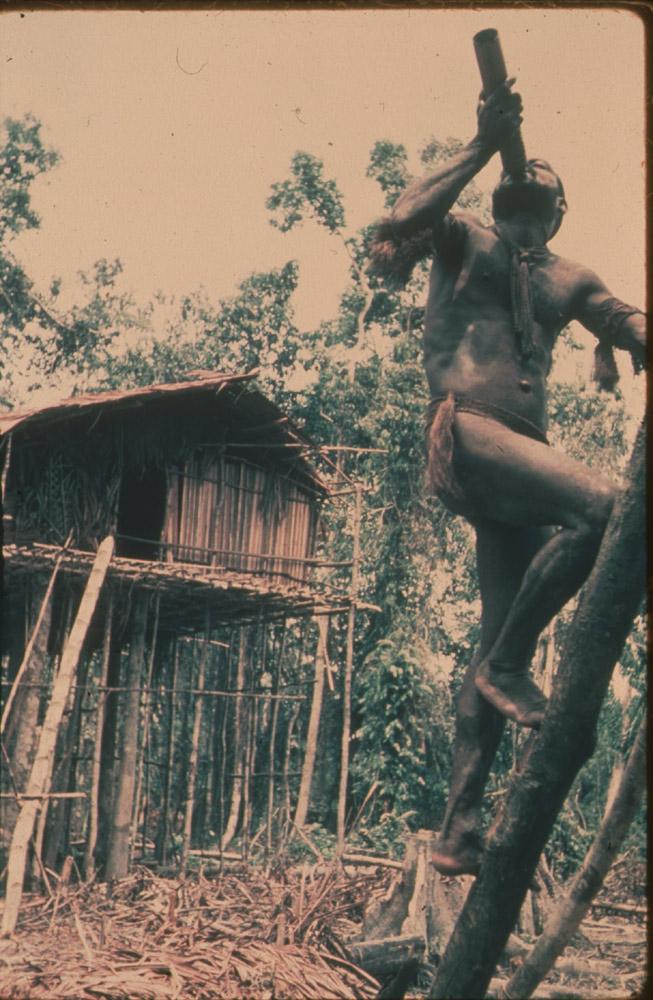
{"x":606,"y":609}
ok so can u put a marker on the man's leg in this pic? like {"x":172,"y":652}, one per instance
{"x":503,"y":554}
{"x":517,"y":481}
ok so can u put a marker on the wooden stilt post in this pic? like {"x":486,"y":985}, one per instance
{"x":239,"y":744}
{"x":321,"y":656}
{"x":274,"y":720}
{"x":346,"y":693}
{"x":147,"y":711}
{"x":57,"y":834}
{"x":223,"y":748}
{"x":165,"y":825}
{"x":194,"y":750}
{"x":39,"y":837}
{"x":21,"y":732}
{"x":252,"y":729}
{"x":106,"y":789}
{"x":42,"y":768}
{"x":119,"y":854}
{"x":91,"y":837}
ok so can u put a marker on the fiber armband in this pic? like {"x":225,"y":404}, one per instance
{"x":607,"y":322}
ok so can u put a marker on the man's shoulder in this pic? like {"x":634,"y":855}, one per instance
{"x":461,"y":226}
{"x":578,"y":274}
{"x":468,"y":219}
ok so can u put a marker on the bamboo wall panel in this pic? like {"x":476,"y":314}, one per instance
{"x":230,"y":513}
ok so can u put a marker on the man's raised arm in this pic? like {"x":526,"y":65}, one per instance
{"x":428,"y":200}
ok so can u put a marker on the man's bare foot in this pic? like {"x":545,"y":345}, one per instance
{"x":512,"y":693}
{"x":458,"y":859}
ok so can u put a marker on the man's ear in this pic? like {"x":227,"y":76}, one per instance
{"x":561,"y":208}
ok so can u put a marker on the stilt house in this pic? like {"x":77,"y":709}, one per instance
{"x":204,"y":485}
{"x":149,"y":681}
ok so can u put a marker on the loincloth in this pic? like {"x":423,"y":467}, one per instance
{"x":440,"y":473}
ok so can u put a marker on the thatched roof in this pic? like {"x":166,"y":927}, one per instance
{"x":237,"y":394}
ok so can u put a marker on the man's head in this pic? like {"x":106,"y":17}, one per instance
{"x":537,"y":192}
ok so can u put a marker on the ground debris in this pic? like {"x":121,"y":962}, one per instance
{"x":607,"y":957}
{"x":239,"y":935}
{"x":244,"y":934}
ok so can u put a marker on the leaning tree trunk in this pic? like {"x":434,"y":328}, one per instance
{"x":26,"y":708}
{"x":118,"y":857}
{"x":605,"y":612}
{"x":42,"y":767}
{"x":57,"y":831}
{"x":568,"y":914}
{"x":39,"y":637}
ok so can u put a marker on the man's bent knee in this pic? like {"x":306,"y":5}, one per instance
{"x":600,"y":507}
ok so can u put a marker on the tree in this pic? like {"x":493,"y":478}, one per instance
{"x":23,"y":158}
{"x":568,"y":914}
{"x":47,"y":345}
{"x":605,"y":613}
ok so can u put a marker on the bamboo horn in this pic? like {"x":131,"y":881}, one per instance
{"x":492,"y":68}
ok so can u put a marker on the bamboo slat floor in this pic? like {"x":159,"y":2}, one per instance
{"x":183,"y":586}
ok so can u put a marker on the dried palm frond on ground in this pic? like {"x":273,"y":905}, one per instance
{"x":239,"y":935}
{"x":246,"y":935}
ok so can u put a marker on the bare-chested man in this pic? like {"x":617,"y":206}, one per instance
{"x":498,"y":298}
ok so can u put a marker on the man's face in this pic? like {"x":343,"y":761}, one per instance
{"x":537,"y":191}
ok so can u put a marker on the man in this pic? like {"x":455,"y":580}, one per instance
{"x":497,"y":301}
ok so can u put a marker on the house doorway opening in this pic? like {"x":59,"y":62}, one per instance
{"x":141,"y":511}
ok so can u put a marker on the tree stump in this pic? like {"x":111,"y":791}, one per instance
{"x":414,"y":919}
{"x":420,"y":905}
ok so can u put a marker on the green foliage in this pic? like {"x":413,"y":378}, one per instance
{"x":322,"y":840}
{"x":588,"y":426}
{"x":307,"y":193}
{"x":254,"y":329}
{"x":634,"y":658}
{"x":84,"y":344}
{"x":397,"y":748}
{"x":383,"y":834}
{"x":23,"y":157}
{"x":388,"y":167}
{"x":568,"y":844}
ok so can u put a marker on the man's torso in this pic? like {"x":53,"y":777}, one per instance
{"x":470,"y":346}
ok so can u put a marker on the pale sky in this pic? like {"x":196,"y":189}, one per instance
{"x":172,"y":125}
